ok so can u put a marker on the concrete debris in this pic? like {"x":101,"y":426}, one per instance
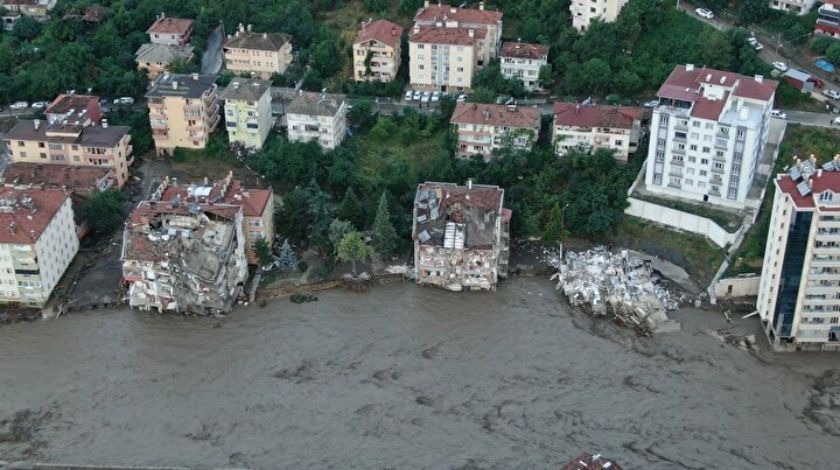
{"x":743,"y":342}
{"x":605,"y":283}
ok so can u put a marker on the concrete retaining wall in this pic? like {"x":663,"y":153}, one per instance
{"x":680,"y":220}
{"x":741,"y":286}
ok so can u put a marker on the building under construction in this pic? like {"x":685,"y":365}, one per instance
{"x":184,"y":257}
{"x":461,"y":236}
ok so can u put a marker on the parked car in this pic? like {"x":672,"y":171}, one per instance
{"x":780,"y":66}
{"x":417,"y":95}
{"x":427,"y":96}
{"x":18,"y":106}
{"x":40,"y":105}
{"x":704,"y":13}
{"x":461,"y":98}
{"x":124,"y":100}
{"x":835,"y":121}
{"x":435,"y":97}
{"x":651,"y":104}
{"x":778,"y":114}
{"x":758,"y":46}
{"x":408,"y":95}
{"x":833,"y":94}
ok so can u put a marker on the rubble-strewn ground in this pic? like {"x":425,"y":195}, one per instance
{"x":409,"y":377}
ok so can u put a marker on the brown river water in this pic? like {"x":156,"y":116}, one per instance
{"x":408,"y":377}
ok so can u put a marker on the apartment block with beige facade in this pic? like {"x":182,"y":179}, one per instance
{"x":591,"y":127}
{"x":489,"y":22}
{"x":483,"y":128}
{"x":261,"y":54}
{"x":376,"y":51}
{"x":37,"y":243}
{"x":34,"y":141}
{"x":585,"y":11}
{"x":442,"y":58}
{"x":183,"y":111}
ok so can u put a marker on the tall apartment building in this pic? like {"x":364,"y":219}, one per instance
{"x":523,"y":62}
{"x":377,"y":51}
{"x":37,"y":243}
{"x":104,"y":146}
{"x":592,"y":127}
{"x":248,"y":117}
{"x":317,"y":116}
{"x":487,"y":23}
{"x":70,"y":108}
{"x":170,"y":31}
{"x":482,"y":128}
{"x":708,"y":135}
{"x":461,"y":236}
{"x":584,"y":11}
{"x":828,"y":19}
{"x":800,"y":7}
{"x":183,"y":111}
{"x":260,"y":54}
{"x":799,"y":295}
{"x":443,"y":58}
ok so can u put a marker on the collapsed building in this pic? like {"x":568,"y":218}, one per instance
{"x":184,"y":257}
{"x":461,"y":236}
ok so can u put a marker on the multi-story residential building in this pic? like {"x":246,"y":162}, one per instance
{"x":104,"y":146}
{"x":248,"y":117}
{"x":584,"y":11}
{"x":708,"y":135}
{"x":170,"y":31}
{"x":800,"y":7}
{"x":38,"y":9}
{"x":257,"y":205}
{"x":183,"y":111}
{"x":486,"y":23}
{"x":317,"y":116}
{"x":461,"y":236}
{"x":828,"y":19}
{"x":523,"y":62}
{"x":261,"y":54}
{"x":184,"y":257}
{"x":483,"y":128}
{"x":70,"y":108}
{"x":37,"y":243}
{"x":591,"y":127}
{"x":376,"y":51}
{"x":443,"y":58}
{"x":799,"y":294}
{"x":156,"y":58}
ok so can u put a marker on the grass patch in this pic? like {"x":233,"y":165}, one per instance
{"x":727,"y":220}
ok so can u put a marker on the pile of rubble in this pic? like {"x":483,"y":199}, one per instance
{"x":605,"y":283}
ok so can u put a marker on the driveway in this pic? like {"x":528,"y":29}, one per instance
{"x":211,"y":60}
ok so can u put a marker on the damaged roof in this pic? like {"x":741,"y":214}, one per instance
{"x":25,"y":214}
{"x":76,"y":178}
{"x":226,"y":191}
{"x":467,"y":213}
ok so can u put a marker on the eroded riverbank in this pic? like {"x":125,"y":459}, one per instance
{"x":407,"y":377}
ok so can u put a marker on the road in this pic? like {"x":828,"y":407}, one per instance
{"x":211,"y":60}
{"x":810,"y":119}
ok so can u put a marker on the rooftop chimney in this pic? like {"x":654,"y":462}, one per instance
{"x":104,"y":123}
{"x":453,"y":10}
{"x":759,"y":78}
{"x":469,"y":183}
{"x":472,"y":32}
{"x":174,"y":84}
{"x":249,"y":28}
{"x":241,"y":28}
{"x":689,"y":67}
{"x":195,"y":76}
{"x":481,"y":6}
{"x":415,"y":30}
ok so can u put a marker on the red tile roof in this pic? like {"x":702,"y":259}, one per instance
{"x":25,"y":214}
{"x":456,"y":36}
{"x":167,"y":25}
{"x":570,"y":114}
{"x":442,"y":13}
{"x":253,"y":201}
{"x":819,"y":182}
{"x":380,"y":30}
{"x":524,"y":50}
{"x":496,"y":115}
{"x":709,"y":109}
{"x":684,"y":84}
{"x":76,"y":178}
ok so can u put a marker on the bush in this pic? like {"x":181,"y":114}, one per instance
{"x":303,"y":266}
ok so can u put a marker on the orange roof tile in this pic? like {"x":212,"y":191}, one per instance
{"x":496,"y":115}
{"x":380,"y":30}
{"x":441,"y":35}
{"x":25,"y":214}
{"x":167,"y":25}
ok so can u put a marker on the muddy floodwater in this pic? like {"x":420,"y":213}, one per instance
{"x":408,"y":377}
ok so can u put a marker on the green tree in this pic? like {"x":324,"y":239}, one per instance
{"x":338,"y":229}
{"x":26,"y":28}
{"x":264,"y":255}
{"x":351,"y":209}
{"x":833,"y":53}
{"x":752,"y":11}
{"x":103,"y":211}
{"x":385,"y":238}
{"x":287,"y":260}
{"x":361,"y":116}
{"x":820,"y":44}
{"x":352,"y":248}
{"x":555,"y":229}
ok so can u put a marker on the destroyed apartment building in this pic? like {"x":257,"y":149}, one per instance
{"x":184,"y":257}
{"x":461,"y":236}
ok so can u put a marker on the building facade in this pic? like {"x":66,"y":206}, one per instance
{"x":799,"y":294}
{"x":828,"y":19}
{"x":261,"y":54}
{"x":443,"y":58}
{"x":461,"y":236}
{"x":377,"y":51}
{"x":523,"y":62}
{"x":799,"y":7}
{"x":102,"y":146}
{"x":37,"y":244}
{"x":248,"y":117}
{"x":183,"y":111}
{"x":592,"y":127}
{"x":708,"y":135}
{"x":170,"y":31}
{"x":585,"y":11}
{"x":482,"y":128}
{"x":38,"y":9}
{"x":155,"y":59}
{"x":317,"y":116}
{"x":70,"y":108}
{"x":486,"y":23}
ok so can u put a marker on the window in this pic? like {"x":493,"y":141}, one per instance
{"x":692,"y":159}
{"x":22,"y":154}
{"x":689,"y":182}
{"x":43,"y":155}
{"x":706,"y":150}
{"x":703,"y":172}
{"x":692,"y":147}
{"x":689,"y":171}
{"x":40,"y":145}
{"x":695,"y":123}
{"x":20,"y":143}
{"x":704,"y":161}
{"x":695,"y":136}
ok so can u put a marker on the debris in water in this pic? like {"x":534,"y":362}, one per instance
{"x":303,"y":298}
{"x":586,"y":461}
{"x":744,"y":342}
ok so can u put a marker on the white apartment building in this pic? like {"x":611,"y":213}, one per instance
{"x":828,"y":19}
{"x":376,"y":51}
{"x":799,"y":295}
{"x":800,"y":7}
{"x":317,"y":116}
{"x":37,"y":243}
{"x":248,"y":117}
{"x":487,"y":21}
{"x":483,"y":128}
{"x":443,"y":58}
{"x":591,"y":127}
{"x":523,"y":62}
{"x":584,"y":11}
{"x":708,"y":135}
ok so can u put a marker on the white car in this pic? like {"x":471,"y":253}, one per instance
{"x":780,"y":66}
{"x":124,"y":100}
{"x":833,"y":94}
{"x":778,"y":114}
{"x":18,"y":106}
{"x":461,"y":98}
{"x":39,"y":105}
{"x":408,"y":95}
{"x":758,"y":46}
{"x":435,"y":97}
{"x":704,"y":13}
{"x":835,"y":121}
{"x":427,"y":95}
{"x":417,"y":95}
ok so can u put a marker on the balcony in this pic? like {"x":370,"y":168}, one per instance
{"x":717,"y":170}
{"x":679,"y":163}
{"x":214,"y":122}
{"x":674,"y":185}
{"x":678,"y":151}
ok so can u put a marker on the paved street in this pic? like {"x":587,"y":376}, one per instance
{"x":211,"y":61}
{"x":810,"y":119}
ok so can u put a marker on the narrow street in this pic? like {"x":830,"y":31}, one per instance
{"x":211,"y":60}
